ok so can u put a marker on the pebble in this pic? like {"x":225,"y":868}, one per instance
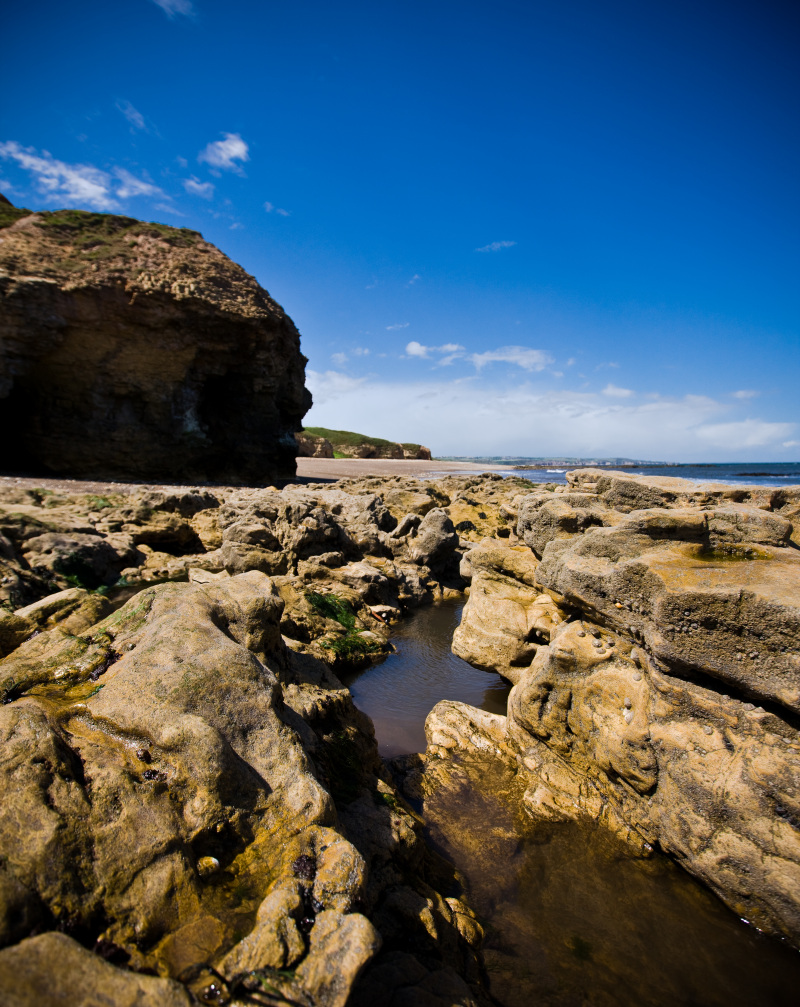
{"x":749,"y":706}
{"x":708,"y":730}
{"x":628,"y":716}
{"x":207,"y":866}
{"x":581,"y":633}
{"x":637,"y":676}
{"x":628,"y":702}
{"x":598,"y":643}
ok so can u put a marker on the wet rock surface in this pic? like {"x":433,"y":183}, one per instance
{"x":191,"y":804}
{"x":661,"y":698}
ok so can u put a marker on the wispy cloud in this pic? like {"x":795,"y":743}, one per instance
{"x":745,"y":433}
{"x":174,"y":7}
{"x":496,"y":246}
{"x":394,"y":328}
{"x":226,"y":153}
{"x":270,"y":208}
{"x":166,"y":208}
{"x":615,"y":392}
{"x":193,"y":185}
{"x":77,"y":183}
{"x":133,"y":115}
{"x":746,"y":393}
{"x":415,"y":349}
{"x":413,"y":280}
{"x":130,"y":185}
{"x":467,"y":417}
{"x":523,"y":356}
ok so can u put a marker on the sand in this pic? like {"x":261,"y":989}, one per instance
{"x":309,"y":470}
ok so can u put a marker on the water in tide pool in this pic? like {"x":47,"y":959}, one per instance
{"x":571,"y":918}
{"x":399,"y":693}
{"x":739,"y":474}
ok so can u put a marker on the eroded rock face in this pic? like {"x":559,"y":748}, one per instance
{"x":138,"y":350}
{"x":505,"y":619}
{"x":642,"y":705}
{"x":185,"y":786}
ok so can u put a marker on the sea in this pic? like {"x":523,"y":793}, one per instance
{"x":744,"y":473}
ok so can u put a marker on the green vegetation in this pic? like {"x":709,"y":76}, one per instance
{"x":347,"y":437}
{"x":331,"y":606}
{"x":9,"y":213}
{"x":90,"y":230}
{"x":94,"y":237}
{"x":352,"y":647}
{"x":99,"y":503}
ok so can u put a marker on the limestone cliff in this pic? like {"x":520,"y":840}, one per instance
{"x":140,"y":350}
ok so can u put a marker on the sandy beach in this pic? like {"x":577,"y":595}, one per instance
{"x":309,"y":470}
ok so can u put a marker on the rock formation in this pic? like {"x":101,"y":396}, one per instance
{"x":309,"y":446}
{"x":652,"y":628}
{"x":138,"y":350}
{"x":187,"y":788}
{"x":347,"y":444}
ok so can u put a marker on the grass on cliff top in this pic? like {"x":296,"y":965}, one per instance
{"x":354,"y":440}
{"x":103,"y":235}
{"x":9,"y":214}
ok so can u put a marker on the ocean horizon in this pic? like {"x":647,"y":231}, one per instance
{"x":733,"y":473}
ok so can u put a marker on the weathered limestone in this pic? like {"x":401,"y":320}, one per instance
{"x":186,"y":786}
{"x":138,"y":350}
{"x":676,"y":622}
{"x":505,"y":618}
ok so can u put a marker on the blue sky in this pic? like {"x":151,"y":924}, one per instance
{"x":505,"y":228}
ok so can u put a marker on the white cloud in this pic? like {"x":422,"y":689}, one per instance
{"x":746,"y":393}
{"x":468,"y":417}
{"x":495,"y":246}
{"x":361,"y":351}
{"x":522,"y":356}
{"x":791,"y":444}
{"x":615,"y":392}
{"x":271,"y":208}
{"x":77,"y":183}
{"x":571,"y":362}
{"x":744,"y":433}
{"x":413,"y":280}
{"x":394,"y":328}
{"x":173,"y":7}
{"x":133,"y":115}
{"x":195,"y":187}
{"x":225,"y":153}
{"x":339,"y":358}
{"x":130,"y":185}
{"x":454,"y":351}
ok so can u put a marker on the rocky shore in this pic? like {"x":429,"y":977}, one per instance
{"x":192,"y":807}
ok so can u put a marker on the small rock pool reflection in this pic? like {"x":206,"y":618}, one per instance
{"x":400,"y":691}
{"x":571,"y":919}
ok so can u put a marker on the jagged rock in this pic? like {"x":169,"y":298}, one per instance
{"x":309,"y":446}
{"x":604,"y":731}
{"x":504,"y":620}
{"x":139,"y":350}
{"x":435,"y":542}
{"x":713,"y":592}
{"x":195,"y":793}
{"x":54,"y":970}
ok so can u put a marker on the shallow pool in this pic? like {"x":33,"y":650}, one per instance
{"x":571,"y":918}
